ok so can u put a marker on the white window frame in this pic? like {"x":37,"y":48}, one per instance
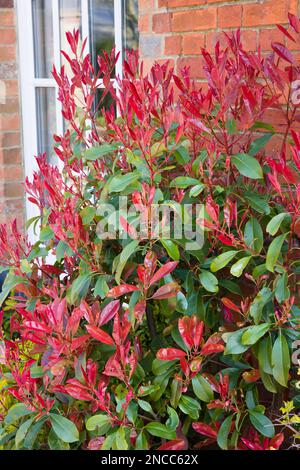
{"x":28,"y":82}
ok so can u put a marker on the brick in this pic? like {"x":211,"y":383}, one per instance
{"x":7,"y":36}
{"x":150,"y":45}
{"x":171,"y":62}
{"x":267,"y":13}
{"x":9,"y":122}
{"x":12,"y":87}
{"x":10,"y":139}
{"x":148,"y":63}
{"x":249,"y":40}
{"x":7,"y":53}
{"x":267,"y":36}
{"x":230,"y":16}
{"x":13,"y":190}
{"x":8,"y":70}
{"x":146,"y":5}
{"x":7,"y":18}
{"x":192,"y":43}
{"x":173,"y":45}
{"x":212,"y":38}
{"x":195,"y":65}
{"x":220,"y":1}
{"x":144,"y":23}
{"x":248,"y":37}
{"x":161,"y":23}
{"x":6,"y":3}
{"x":196,"y":20}
{"x":181,"y":3}
{"x":11,"y":105}
{"x":9,"y":212}
{"x":12,"y":173}
{"x":10,"y":156}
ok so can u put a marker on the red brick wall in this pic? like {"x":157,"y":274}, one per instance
{"x":177,"y":29}
{"x":11,"y":170}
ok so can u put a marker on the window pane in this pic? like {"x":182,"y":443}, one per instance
{"x":130,"y":24}
{"x":70,"y":18}
{"x":102,"y":26}
{"x":106,"y":102}
{"x":46,"y":121}
{"x":42,"y":37}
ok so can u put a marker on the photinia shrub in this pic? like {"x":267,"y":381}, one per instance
{"x":158,"y":307}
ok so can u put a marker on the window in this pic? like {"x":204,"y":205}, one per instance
{"x":42,"y":25}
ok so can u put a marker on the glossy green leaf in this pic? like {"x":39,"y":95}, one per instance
{"x":196,"y":190}
{"x":17,"y":411}
{"x":265,"y":355}
{"x":171,"y":248}
{"x":223,"y":433}
{"x":281,"y":360}
{"x":79,"y":288}
{"x":87,"y":214}
{"x":183,"y":182}
{"x":263,"y":424}
{"x":121,"y":182}
{"x":209,"y":281}
{"x":141,"y":442}
{"x":282,"y":291}
{"x":222,"y":260}
{"x":274,"y":251}
{"x":254,"y":333}
{"x":121,"y":440}
{"x":234,"y":343}
{"x":96,"y":152}
{"x":99,"y":423}
{"x":238,"y":267}
{"x":258,"y":304}
{"x":22,"y":431}
{"x":173,"y":420}
{"x":55,"y":443}
{"x":247,"y":166}
{"x":253,"y":235}
{"x":259,"y":143}
{"x":202,"y":388}
{"x":275,"y":223}
{"x":64,"y":428}
{"x":189,"y":406}
{"x":160,"y":430}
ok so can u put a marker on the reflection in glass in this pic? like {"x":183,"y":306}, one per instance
{"x":46,"y":121}
{"x":70,"y":18}
{"x":130,"y":24}
{"x":102,"y":27}
{"x":42,"y":37}
{"x":106,"y":102}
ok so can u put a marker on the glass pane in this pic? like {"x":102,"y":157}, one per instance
{"x":42,"y":37}
{"x":102,"y":27}
{"x":46,"y":121}
{"x":70,"y":18}
{"x":130,"y":24}
{"x":104,"y":102}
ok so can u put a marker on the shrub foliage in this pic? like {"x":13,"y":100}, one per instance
{"x":143,"y":340}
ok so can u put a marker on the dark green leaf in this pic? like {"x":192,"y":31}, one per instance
{"x":223,"y":433}
{"x":281,"y":360}
{"x":64,"y":428}
{"x":160,"y":430}
{"x":202,"y":388}
{"x":274,"y":251}
{"x":263,"y":424}
{"x":247,"y":166}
